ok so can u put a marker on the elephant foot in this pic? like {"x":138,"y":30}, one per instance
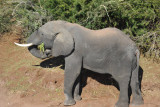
{"x":77,"y":98}
{"x":121,"y":104}
{"x":137,"y":102}
{"x":69,"y":102}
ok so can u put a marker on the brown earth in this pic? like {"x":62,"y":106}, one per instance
{"x":26,"y":81}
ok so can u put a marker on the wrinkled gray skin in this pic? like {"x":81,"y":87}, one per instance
{"x":104,"y":51}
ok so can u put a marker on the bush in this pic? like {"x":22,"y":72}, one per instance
{"x":138,"y":18}
{"x":149,"y":44}
{"x":30,"y":16}
{"x":5,"y":17}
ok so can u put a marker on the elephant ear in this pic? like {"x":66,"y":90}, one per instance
{"x":63,"y":44}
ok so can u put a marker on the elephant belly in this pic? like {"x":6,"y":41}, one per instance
{"x":103,"y":63}
{"x":96,"y":63}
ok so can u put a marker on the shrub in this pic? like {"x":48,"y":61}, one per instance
{"x":149,"y":44}
{"x":30,"y":16}
{"x":5,"y":17}
{"x":138,"y":18}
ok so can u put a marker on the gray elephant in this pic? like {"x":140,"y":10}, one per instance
{"x":107,"y":50}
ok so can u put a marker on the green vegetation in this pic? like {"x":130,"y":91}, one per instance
{"x":5,"y":17}
{"x":138,"y":18}
{"x":41,"y":47}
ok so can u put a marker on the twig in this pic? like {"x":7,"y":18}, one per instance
{"x":106,"y":11}
{"x":40,"y":4}
{"x":17,"y":7}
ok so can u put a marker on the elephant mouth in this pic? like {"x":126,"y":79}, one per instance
{"x":48,"y":52}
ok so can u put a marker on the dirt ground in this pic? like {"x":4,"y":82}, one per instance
{"x":26,"y":81}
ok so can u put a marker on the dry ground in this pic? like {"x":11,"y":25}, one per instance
{"x":26,"y":81}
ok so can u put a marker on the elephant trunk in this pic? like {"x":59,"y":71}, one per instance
{"x":37,"y":53}
{"x":34,"y":48}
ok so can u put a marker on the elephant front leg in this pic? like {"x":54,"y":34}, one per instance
{"x":72,"y":71}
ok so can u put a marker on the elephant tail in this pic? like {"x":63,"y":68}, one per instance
{"x":137,"y":53}
{"x":135,"y":71}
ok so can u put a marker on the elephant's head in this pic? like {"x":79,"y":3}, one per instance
{"x":57,"y":41}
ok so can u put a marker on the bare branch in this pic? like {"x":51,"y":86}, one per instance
{"x":17,"y":7}
{"x":106,"y":11}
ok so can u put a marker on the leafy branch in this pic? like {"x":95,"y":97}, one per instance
{"x":41,"y":47}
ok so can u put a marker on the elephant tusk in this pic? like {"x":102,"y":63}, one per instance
{"x":24,"y":45}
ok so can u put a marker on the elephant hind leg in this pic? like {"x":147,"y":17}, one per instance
{"x":123,"y":97}
{"x":136,"y":92}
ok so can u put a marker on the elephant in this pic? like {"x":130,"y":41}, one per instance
{"x":105,"y":51}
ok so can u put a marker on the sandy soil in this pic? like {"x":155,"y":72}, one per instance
{"x":26,"y":81}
